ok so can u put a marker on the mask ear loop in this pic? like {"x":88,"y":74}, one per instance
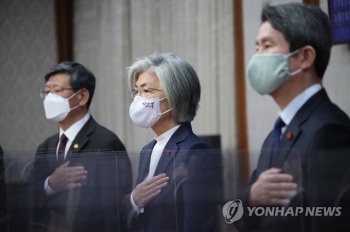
{"x":74,"y":107}
{"x":166,"y":110}
{"x":71,"y":97}
{"x":293,"y":53}
{"x":73,"y":94}
{"x":298,"y":70}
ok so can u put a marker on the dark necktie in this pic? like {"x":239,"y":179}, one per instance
{"x":61,"y":149}
{"x":277,"y":135}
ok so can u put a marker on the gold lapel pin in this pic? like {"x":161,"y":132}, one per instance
{"x":76,"y":146}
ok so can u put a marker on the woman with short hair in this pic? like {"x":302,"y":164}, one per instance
{"x":179,"y":178}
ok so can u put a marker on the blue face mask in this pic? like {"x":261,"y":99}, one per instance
{"x":267,"y":72}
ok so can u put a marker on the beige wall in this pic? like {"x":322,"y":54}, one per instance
{"x":109,"y":35}
{"x":27,"y":50}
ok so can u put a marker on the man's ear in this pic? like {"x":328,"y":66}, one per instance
{"x":308,"y":56}
{"x":84,"y":97}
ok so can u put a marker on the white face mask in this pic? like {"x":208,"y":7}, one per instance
{"x":144,"y":112}
{"x":57,"y":107}
{"x":267,"y":72}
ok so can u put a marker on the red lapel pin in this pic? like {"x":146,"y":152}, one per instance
{"x":168,"y":152}
{"x":70,"y":153}
{"x":289,"y":136}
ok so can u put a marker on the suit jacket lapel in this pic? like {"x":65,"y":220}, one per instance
{"x":171,"y":148}
{"x":265,"y":155}
{"x":81,"y":140}
{"x":51,"y":152}
{"x":293,"y":130}
{"x":168,"y":156}
{"x":145,"y":159}
{"x":53,"y":143}
{"x":287,"y":141}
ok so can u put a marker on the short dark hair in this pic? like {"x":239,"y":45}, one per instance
{"x":303,"y":24}
{"x":80,"y":77}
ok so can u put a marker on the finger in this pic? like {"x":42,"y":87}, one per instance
{"x":151,"y":197}
{"x":156,"y":178}
{"x":283,"y":194}
{"x":162,"y":185}
{"x":161,"y":181}
{"x":161,"y":175}
{"x":74,"y":169}
{"x":156,"y":188}
{"x":153,"y":181}
{"x":76,"y":179}
{"x":280,"y":178}
{"x":156,"y":183}
{"x":66,"y":164}
{"x":282,"y":186}
{"x":272,"y":170}
{"x":77,"y":174}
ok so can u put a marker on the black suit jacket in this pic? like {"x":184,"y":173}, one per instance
{"x":188,"y":202}
{"x":314,"y":149}
{"x":95,"y":205}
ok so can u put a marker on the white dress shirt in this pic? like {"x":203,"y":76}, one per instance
{"x":157,"y":151}
{"x":293,"y":107}
{"x":70,"y":133}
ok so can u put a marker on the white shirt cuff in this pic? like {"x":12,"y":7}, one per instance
{"x":136,"y":209}
{"x":49,"y":191}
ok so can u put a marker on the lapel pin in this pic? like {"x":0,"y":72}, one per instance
{"x":289,"y":136}
{"x":70,"y":152}
{"x":168,"y":152}
{"x":76,"y":146}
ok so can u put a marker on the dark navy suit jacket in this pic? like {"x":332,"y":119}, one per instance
{"x":314,"y":149}
{"x":95,"y":206}
{"x":188,"y":202}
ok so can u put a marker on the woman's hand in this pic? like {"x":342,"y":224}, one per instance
{"x":149,"y":189}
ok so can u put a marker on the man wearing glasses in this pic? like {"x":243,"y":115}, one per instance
{"x":81,"y":173}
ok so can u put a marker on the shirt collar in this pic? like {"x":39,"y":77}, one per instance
{"x":292,"y":108}
{"x":74,"y":129}
{"x":166,"y":135}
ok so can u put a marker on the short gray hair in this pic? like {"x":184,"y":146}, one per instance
{"x":178,"y":80}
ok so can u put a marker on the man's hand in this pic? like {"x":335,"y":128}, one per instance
{"x":272,"y":188}
{"x":66,"y":177}
{"x":149,"y":189}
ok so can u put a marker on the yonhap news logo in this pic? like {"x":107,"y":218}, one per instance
{"x":233,"y":211}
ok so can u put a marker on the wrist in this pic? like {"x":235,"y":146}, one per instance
{"x":49,"y":182}
{"x":252,"y":200}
